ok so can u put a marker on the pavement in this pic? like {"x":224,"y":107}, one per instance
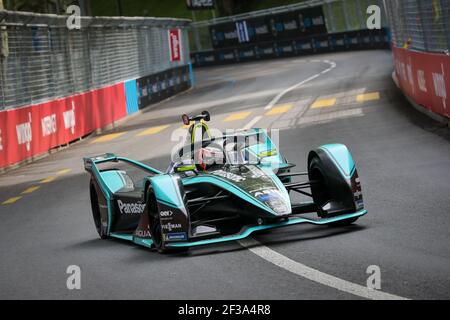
{"x":401,"y":155}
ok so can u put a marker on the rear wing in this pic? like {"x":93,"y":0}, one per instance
{"x":90,"y":163}
{"x":93,"y":161}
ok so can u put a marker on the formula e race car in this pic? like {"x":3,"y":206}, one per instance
{"x":219,"y":189}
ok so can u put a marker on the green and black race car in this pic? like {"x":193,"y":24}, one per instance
{"x":220,"y":189}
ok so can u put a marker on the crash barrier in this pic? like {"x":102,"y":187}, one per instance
{"x":58,"y":84}
{"x":33,"y":130}
{"x":313,"y":26}
{"x":290,"y":22}
{"x":424,"y":78}
{"x":421,"y":43}
{"x":286,"y":25}
{"x":352,"y":40}
{"x":48,"y":57}
{"x":28,"y":132}
{"x":421,"y":25}
{"x":162,"y":85}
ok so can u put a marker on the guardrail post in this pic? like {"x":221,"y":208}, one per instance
{"x":194,"y":28}
{"x":191,"y":75}
{"x":330,"y":16}
{"x":361,"y":13}
{"x":445,"y":6}
{"x":346,"y":18}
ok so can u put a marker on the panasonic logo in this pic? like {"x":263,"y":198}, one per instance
{"x":130,"y":208}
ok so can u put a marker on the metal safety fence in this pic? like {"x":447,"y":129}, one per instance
{"x":309,"y":27}
{"x":423,"y":25}
{"x":340,"y":16}
{"x":41,"y":59}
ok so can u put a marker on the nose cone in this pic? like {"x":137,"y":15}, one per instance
{"x":274,"y":200}
{"x":262,"y":185}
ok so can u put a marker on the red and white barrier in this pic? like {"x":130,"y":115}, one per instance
{"x":424,"y":78}
{"x":33,"y":130}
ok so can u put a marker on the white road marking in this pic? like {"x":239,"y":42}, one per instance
{"x":297,"y":267}
{"x":281,"y":94}
{"x":275,"y":100}
{"x":313,"y":274}
{"x":329,"y":116}
{"x":252,"y":123}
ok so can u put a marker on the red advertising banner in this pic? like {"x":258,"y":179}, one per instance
{"x":425,"y":78}
{"x":29,"y":131}
{"x":175,"y":44}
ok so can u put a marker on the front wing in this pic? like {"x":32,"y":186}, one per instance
{"x":247,"y":231}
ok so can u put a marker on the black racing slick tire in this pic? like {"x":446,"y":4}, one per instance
{"x":151,"y":209}
{"x":95,"y":206}
{"x":321,"y":191}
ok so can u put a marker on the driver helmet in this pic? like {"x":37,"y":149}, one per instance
{"x":209,"y":156}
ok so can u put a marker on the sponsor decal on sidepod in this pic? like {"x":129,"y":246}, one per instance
{"x":130,"y":208}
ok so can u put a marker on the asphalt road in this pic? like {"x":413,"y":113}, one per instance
{"x":402,"y":158}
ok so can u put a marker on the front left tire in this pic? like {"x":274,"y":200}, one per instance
{"x":151,"y":209}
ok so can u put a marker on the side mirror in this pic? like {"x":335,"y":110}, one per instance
{"x":207,"y":116}
{"x":186,"y":120}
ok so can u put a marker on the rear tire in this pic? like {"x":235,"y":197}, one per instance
{"x":102,"y":232}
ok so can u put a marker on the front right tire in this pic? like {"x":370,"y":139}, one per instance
{"x":321,"y":191}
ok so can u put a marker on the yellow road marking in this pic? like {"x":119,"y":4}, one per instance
{"x":368,"y":97}
{"x":11,"y":200}
{"x":238,"y":116}
{"x":62,"y":172}
{"x":323,"y":103}
{"x":48,"y":180}
{"x":280,"y":109}
{"x":31,"y":190}
{"x":151,"y":131}
{"x":108,"y":137}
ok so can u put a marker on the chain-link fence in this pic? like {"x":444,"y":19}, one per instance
{"x":340,"y":16}
{"x":41,"y":59}
{"x":422,"y":25}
